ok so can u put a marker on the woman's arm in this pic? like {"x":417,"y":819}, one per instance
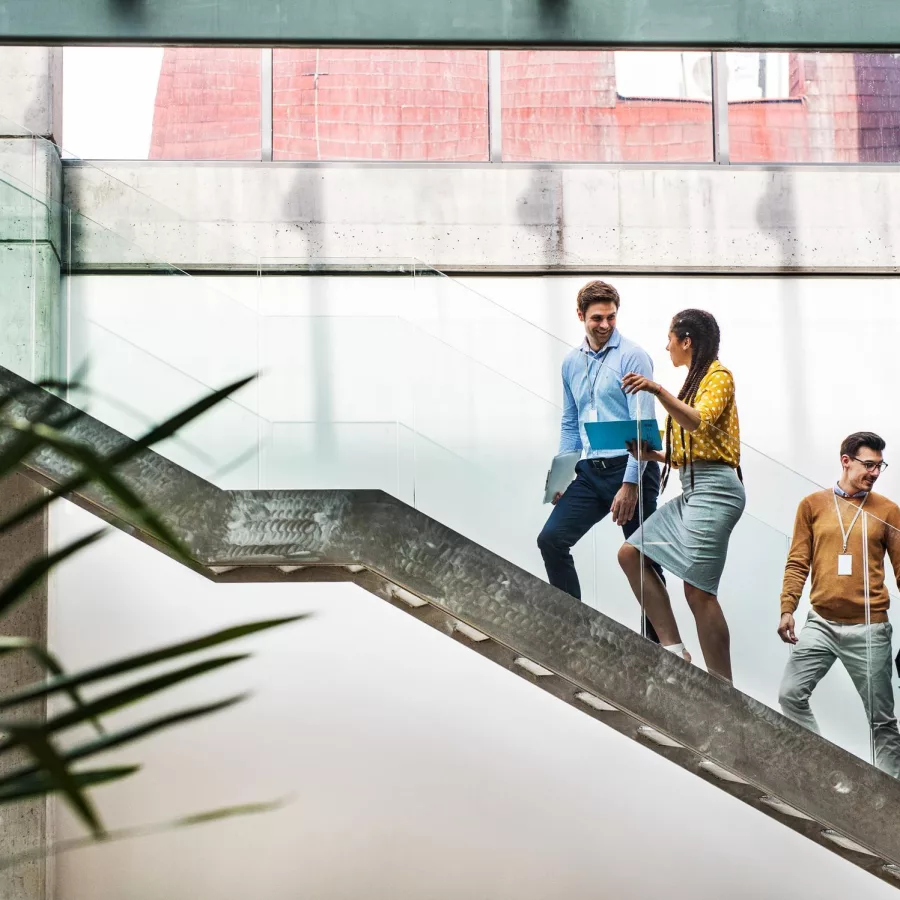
{"x":686,"y":416}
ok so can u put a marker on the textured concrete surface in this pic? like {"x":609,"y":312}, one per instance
{"x":443,"y":578}
{"x":31,"y":99}
{"x":31,"y":343}
{"x":31,"y":176}
{"x":31,"y":324}
{"x":483,"y":217}
{"x":23,"y":826}
{"x":32,"y":223}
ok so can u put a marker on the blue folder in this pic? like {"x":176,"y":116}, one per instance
{"x":614,"y":435}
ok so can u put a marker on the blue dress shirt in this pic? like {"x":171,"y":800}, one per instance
{"x":594,"y":380}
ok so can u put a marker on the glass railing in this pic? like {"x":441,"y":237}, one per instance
{"x":479,"y":418}
{"x":166,"y":340}
{"x":877,"y":543}
{"x":134,"y":215}
{"x":390,"y":375}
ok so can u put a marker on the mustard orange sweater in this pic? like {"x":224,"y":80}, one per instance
{"x":816,"y":545}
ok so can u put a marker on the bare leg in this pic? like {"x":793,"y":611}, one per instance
{"x":657,"y":606}
{"x":712,"y":629}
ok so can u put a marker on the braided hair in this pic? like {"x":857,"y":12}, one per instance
{"x":703,"y":330}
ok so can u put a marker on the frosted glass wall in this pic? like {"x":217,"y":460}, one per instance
{"x":447,"y":394}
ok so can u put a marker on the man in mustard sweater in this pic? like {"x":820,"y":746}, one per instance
{"x":842,"y":535}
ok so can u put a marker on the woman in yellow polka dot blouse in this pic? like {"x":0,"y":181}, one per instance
{"x":689,"y":535}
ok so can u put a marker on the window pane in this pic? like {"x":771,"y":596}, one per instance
{"x":147,"y":103}
{"x":380,"y":104}
{"x":814,"y":107}
{"x":606,"y":106}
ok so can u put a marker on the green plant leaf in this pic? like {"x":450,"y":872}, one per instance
{"x":48,"y":661}
{"x":24,"y":444}
{"x":228,"y":812}
{"x":130,"y":663}
{"x":125,"y":736}
{"x":173,"y":424}
{"x":155,"y":435}
{"x":32,"y":573}
{"x":116,"y":700}
{"x":39,"y":784}
{"x":110,"y":401}
{"x":121,"y":834}
{"x":34,"y":738}
{"x":100,"y":471}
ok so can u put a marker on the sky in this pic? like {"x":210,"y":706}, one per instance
{"x":108,"y":98}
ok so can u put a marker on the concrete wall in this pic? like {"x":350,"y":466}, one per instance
{"x":414,"y":768}
{"x":31,"y":221}
{"x":31,"y":100}
{"x":507,"y":218}
{"x":23,"y":826}
{"x":31,"y":344}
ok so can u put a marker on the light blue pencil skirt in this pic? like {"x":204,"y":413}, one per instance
{"x":688,"y":536}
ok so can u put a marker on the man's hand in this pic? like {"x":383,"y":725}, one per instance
{"x":624,"y":504}
{"x":556,"y":497}
{"x":786,"y":629}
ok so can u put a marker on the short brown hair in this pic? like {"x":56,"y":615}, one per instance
{"x":851,"y":444}
{"x":596,"y":292}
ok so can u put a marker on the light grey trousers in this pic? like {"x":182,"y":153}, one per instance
{"x":821,"y":643}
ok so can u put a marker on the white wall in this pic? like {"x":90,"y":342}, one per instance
{"x":446,"y":394}
{"x":418,"y":769}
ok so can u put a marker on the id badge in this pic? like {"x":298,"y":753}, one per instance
{"x":591,"y":415}
{"x":845,"y":564}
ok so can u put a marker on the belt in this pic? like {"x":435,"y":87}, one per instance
{"x":610,"y":463}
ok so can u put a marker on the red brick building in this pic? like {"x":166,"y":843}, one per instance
{"x":556,"y":106}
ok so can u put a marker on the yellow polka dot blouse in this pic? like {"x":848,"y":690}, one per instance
{"x":718,"y":439}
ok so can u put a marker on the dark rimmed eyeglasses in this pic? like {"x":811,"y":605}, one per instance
{"x":871,"y":465}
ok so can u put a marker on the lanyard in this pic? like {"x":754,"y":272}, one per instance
{"x":845,"y":533}
{"x":587,"y":373}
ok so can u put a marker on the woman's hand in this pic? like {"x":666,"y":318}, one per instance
{"x":648,"y":454}
{"x":632,"y":383}
{"x":686,"y":416}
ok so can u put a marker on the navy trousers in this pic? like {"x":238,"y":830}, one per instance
{"x":586,"y":502}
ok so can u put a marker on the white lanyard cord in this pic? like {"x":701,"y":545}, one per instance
{"x":845,"y":533}
{"x":587,"y":373}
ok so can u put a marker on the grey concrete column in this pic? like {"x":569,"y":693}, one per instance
{"x":32,"y":221}
{"x":31,"y":343}
{"x":23,"y":826}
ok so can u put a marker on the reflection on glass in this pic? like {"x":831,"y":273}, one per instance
{"x":389,"y":104}
{"x":176,"y":103}
{"x":814,"y":107}
{"x":606,"y":106}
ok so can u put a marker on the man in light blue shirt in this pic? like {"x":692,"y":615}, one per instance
{"x":606,"y":480}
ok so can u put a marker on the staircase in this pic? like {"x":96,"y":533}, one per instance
{"x":511,"y":617}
